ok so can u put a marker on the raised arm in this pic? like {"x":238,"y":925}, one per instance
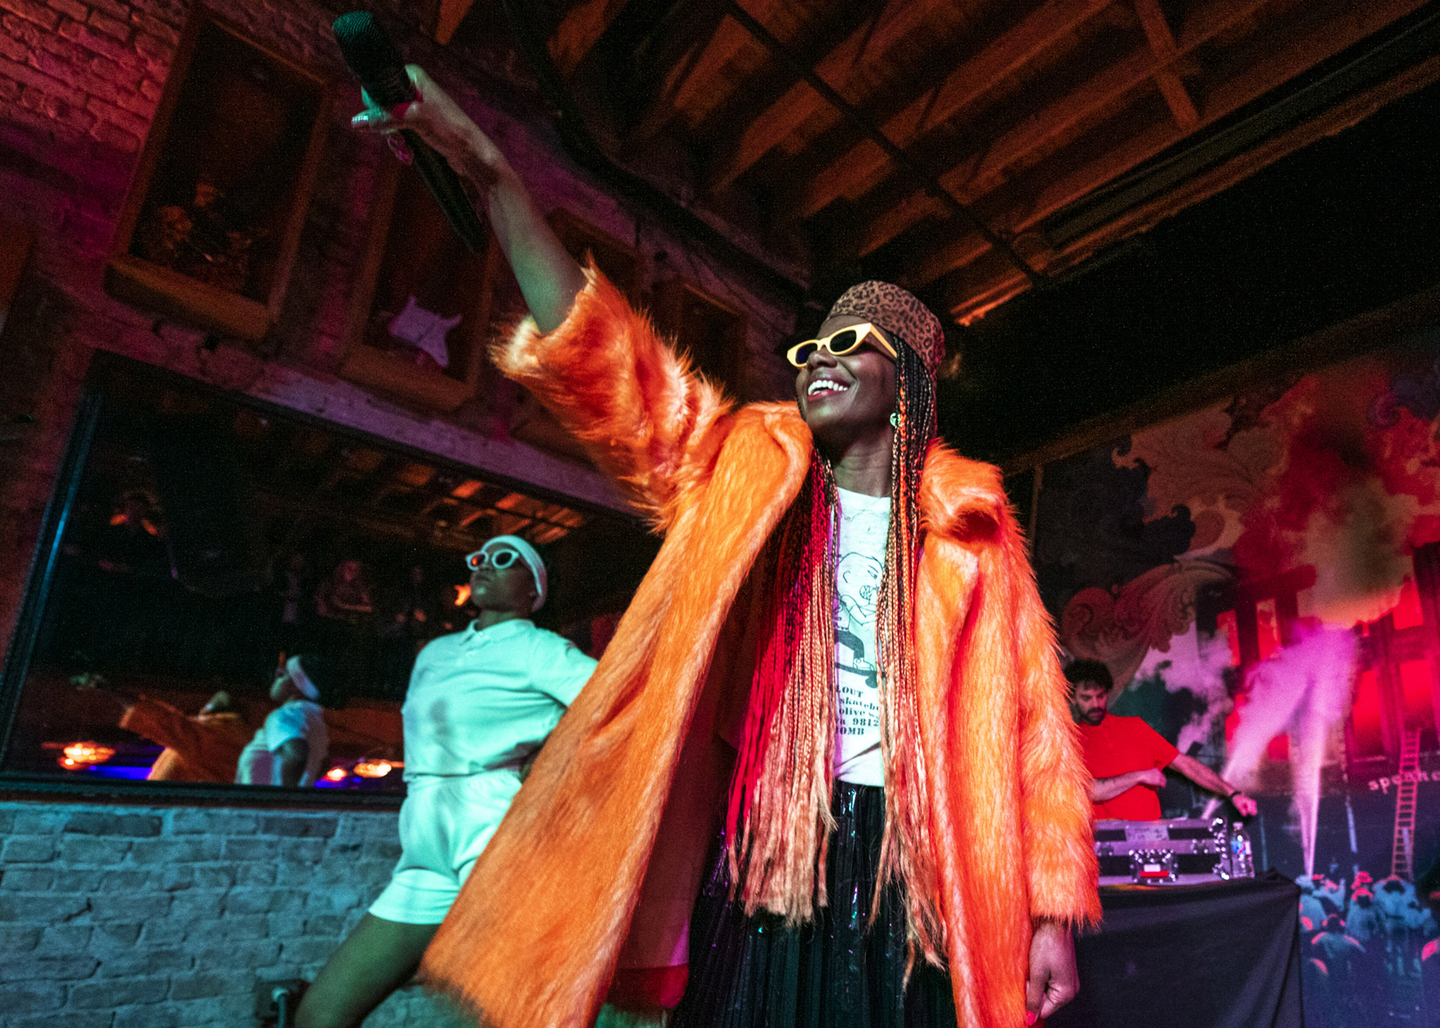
{"x":642,"y":413}
{"x":548,"y":276}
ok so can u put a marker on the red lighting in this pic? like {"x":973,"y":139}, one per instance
{"x":1415,"y":688}
{"x":1226,"y":623}
{"x":1407,"y":612}
{"x":1365,"y":717}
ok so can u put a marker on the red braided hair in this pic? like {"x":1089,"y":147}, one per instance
{"x":778,"y":818}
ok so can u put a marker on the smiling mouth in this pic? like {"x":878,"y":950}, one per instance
{"x":826,"y":387}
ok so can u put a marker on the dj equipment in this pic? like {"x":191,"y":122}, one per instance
{"x":1181,"y":851}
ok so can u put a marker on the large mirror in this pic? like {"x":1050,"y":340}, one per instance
{"x":198,"y":540}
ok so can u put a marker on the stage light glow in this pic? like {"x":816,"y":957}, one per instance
{"x":375,"y":768}
{"x":462,"y":593}
{"x":75,"y":755}
{"x":337,"y":774}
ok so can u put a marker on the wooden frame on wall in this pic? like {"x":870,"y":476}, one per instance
{"x":211,"y":224}
{"x":711,"y":333}
{"x":620,"y":262}
{"x":420,"y":316}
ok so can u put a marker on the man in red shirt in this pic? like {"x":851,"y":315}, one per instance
{"x":1126,"y":757}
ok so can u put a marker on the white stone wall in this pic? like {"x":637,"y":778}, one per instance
{"x":156,"y":917}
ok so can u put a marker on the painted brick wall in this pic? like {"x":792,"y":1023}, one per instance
{"x":148,"y":917}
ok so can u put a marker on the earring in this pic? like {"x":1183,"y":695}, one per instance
{"x":895,"y":419}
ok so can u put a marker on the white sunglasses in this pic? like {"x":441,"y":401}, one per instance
{"x":499,"y":559}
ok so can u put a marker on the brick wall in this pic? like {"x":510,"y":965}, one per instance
{"x":148,"y":917}
{"x":154,"y":916}
{"x":79,"y":81}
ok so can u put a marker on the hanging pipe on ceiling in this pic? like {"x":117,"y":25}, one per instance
{"x":582,"y":148}
{"x":929,"y":182}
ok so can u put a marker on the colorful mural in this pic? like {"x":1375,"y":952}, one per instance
{"x":1262,"y":577}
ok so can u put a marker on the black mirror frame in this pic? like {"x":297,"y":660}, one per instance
{"x":20,"y":652}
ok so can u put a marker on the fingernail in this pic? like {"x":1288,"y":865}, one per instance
{"x":399,"y":148}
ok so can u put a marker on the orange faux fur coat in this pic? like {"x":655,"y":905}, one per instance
{"x":600,"y":858}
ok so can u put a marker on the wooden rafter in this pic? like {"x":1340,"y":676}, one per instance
{"x":703,"y":59}
{"x":800,"y":103}
{"x":580,"y":30}
{"x":1225,"y":175}
{"x":1010,"y":112}
{"x":966,"y":84}
{"x":1290,"y":53}
{"x":970,"y":180}
{"x":451,"y":14}
{"x":731,"y":55}
{"x":1162,"y":45}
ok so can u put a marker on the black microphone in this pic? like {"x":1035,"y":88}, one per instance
{"x":377,"y":63}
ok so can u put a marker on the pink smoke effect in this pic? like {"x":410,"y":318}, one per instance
{"x":1352,"y":497}
{"x":1197,"y":664}
{"x":1302,"y":690}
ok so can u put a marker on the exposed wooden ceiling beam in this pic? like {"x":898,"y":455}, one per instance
{"x":451,"y":14}
{"x":580,"y":30}
{"x":729,"y":58}
{"x":801,"y":103}
{"x":976,"y":288}
{"x":1243,"y":165}
{"x":967,"y":83}
{"x":1291,"y":53}
{"x":894,"y":218}
{"x":970,"y":180}
{"x":709,"y":51}
{"x":1162,"y":45}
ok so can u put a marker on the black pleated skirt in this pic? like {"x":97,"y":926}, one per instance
{"x":839,"y":971}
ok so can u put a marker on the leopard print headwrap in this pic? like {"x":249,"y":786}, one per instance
{"x":900,"y":312}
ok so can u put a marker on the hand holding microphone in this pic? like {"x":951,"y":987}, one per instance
{"x":440,"y":136}
{"x":445,"y":141}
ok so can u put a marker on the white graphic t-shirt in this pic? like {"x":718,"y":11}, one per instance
{"x":859,"y":564}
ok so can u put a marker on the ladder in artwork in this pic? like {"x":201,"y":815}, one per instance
{"x":1403,"y":850}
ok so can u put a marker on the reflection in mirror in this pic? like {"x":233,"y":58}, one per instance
{"x":232,"y":592}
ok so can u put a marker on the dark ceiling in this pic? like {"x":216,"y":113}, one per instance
{"x":1342,"y":227}
{"x":966,"y":151}
{"x":1107,"y":198}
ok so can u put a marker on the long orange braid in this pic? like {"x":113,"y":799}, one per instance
{"x":778,"y":819}
{"x":908,"y":847}
{"x":780,"y":793}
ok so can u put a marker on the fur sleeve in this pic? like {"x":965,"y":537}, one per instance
{"x":1060,"y":863}
{"x":646,"y":418}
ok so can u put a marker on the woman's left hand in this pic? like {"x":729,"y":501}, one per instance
{"x":1053,"y":980}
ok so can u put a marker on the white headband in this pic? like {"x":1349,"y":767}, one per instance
{"x":532,"y":560}
{"x":302,"y":681}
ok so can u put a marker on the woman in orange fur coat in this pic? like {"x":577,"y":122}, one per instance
{"x":761,"y":686}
